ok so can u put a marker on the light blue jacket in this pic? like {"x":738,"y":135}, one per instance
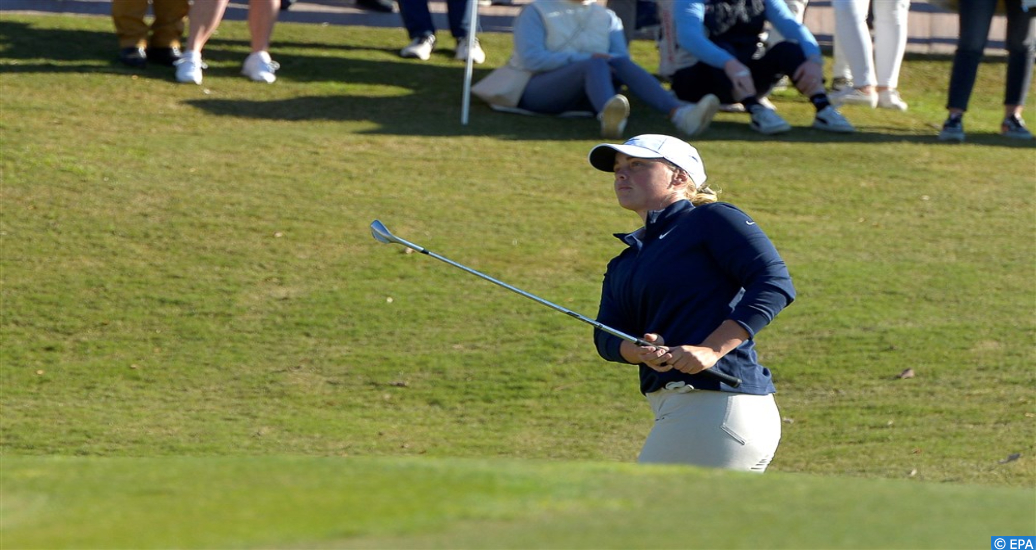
{"x":530,"y":39}
{"x":692,"y":35}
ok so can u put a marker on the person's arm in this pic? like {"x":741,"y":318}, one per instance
{"x":689,"y":20}
{"x":610,"y":347}
{"x":530,"y":44}
{"x":778,"y":14}
{"x":690,"y":359}
{"x":747,"y":255}
{"x":617,"y":37}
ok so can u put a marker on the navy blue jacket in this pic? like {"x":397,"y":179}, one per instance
{"x":685,"y":272}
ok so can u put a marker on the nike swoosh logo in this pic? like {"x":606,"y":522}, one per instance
{"x":749,"y":222}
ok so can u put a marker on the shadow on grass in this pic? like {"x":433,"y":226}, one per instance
{"x":430,"y":105}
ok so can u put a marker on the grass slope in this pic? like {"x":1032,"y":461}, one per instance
{"x":188,"y":271}
{"x":313,"y":502}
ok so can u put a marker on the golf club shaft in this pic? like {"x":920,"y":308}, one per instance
{"x":381,"y":233}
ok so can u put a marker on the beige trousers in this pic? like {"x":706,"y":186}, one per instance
{"x":132,"y":30}
{"x":735,"y":431}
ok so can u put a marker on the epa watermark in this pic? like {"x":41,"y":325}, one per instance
{"x":1013,"y":543}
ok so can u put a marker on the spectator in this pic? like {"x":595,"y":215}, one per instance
{"x":716,"y":47}
{"x":699,"y":280}
{"x":577,"y":52}
{"x":975,"y":19}
{"x":872,"y":68}
{"x":136,"y":48}
{"x":205,"y":17}
{"x":417,"y":19}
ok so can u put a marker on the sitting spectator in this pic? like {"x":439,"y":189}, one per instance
{"x":873,"y":68}
{"x":419,"y":26}
{"x":716,"y":47}
{"x":975,"y":18}
{"x":163,"y":46}
{"x":577,"y":53}
{"x":205,"y":17}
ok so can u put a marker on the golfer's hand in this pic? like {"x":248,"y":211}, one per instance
{"x":741,"y":78}
{"x":693,"y":359}
{"x":656,"y":356}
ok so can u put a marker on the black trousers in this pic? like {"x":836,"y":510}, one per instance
{"x":691,"y":83}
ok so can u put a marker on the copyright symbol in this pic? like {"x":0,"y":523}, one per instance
{"x":999,"y":543}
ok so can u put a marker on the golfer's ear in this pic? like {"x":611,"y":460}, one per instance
{"x":680,"y":177}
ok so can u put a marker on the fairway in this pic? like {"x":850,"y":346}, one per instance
{"x":204,"y":347}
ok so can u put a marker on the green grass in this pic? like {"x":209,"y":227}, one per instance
{"x":312,"y":502}
{"x":188,"y":272}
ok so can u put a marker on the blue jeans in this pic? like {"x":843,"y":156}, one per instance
{"x":417,"y":18}
{"x":589,"y":84}
{"x":975,"y":19}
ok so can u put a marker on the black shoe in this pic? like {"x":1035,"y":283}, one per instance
{"x":286,"y":4}
{"x":164,"y":56}
{"x":384,"y":6}
{"x":133,"y":57}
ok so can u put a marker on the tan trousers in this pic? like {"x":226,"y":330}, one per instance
{"x":166,"y":29}
{"x":735,"y":431}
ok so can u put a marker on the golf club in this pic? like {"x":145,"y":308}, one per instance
{"x":382,"y":234}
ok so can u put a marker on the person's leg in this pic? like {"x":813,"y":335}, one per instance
{"x":643,"y":85}
{"x":841,"y":74}
{"x":130,"y":28}
{"x":890,"y":39}
{"x":780,"y":60}
{"x":694,"y":82}
{"x":582,"y":85}
{"x":712,"y":429}
{"x":204,"y":18}
{"x":457,"y":14}
{"x":417,"y":18}
{"x":167,"y":29}
{"x":1021,"y":51}
{"x":975,"y":18}
{"x":854,"y":39}
{"x":262,"y":16}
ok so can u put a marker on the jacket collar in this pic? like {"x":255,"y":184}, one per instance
{"x":658,"y":221}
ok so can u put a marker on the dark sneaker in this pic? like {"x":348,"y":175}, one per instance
{"x":952,"y":130}
{"x":1014,"y":127}
{"x":164,"y":56}
{"x":133,"y":57}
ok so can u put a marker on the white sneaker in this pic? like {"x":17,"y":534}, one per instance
{"x":188,"y":67}
{"x":421,"y":48}
{"x":694,"y":119}
{"x":889,"y":99}
{"x":260,"y":68}
{"x":614,"y":116}
{"x":830,"y":120}
{"x":853,"y":96}
{"x":767,"y":121}
{"x":840,"y":83}
{"x":477,"y":55}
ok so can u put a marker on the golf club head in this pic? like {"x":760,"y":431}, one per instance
{"x":381,"y":233}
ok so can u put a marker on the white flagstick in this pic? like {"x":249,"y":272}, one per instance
{"x":465,"y":105}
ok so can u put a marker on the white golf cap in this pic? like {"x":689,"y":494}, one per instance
{"x":652,"y":146}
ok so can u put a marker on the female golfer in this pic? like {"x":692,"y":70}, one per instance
{"x":699,"y":279}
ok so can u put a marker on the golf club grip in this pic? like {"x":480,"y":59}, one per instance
{"x":731,"y":381}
